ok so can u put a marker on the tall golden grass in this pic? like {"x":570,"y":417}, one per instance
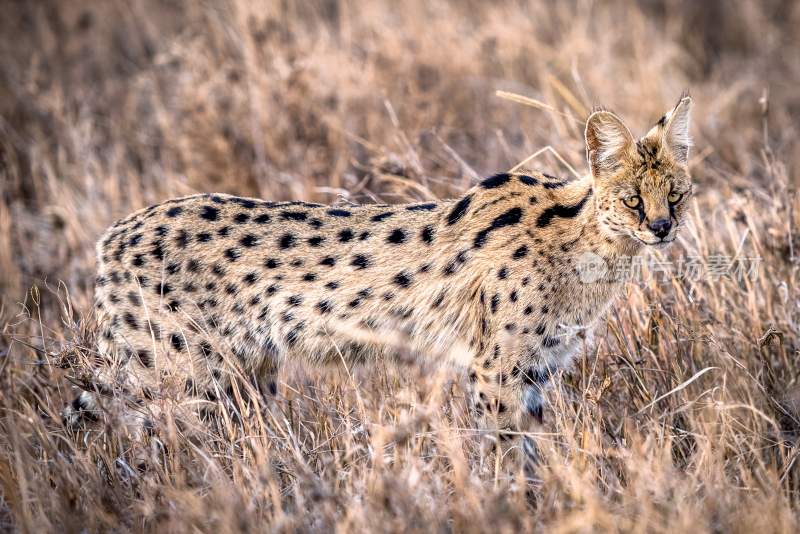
{"x":684,"y":415}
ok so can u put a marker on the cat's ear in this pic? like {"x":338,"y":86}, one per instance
{"x":608,"y":142}
{"x":675,"y":138}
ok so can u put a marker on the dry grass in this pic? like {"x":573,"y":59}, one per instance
{"x":106,"y":107}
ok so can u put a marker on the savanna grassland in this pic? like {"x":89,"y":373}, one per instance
{"x":683,"y":416}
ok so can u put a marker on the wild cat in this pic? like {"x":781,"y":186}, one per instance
{"x":197,"y":290}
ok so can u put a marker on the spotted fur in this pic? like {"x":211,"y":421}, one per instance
{"x":198,"y":289}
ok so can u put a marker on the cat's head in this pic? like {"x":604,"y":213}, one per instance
{"x":642,"y":186}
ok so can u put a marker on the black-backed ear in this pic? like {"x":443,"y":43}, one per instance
{"x":675,"y":138}
{"x":608,"y":142}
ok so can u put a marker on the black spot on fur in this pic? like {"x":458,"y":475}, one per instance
{"x":174,"y":211}
{"x":261,"y":219}
{"x":540,"y":330}
{"x":427,"y":234}
{"x":332,"y":285}
{"x":363,"y":236}
{"x":428,"y":206}
{"x":455,"y":264}
{"x":559,"y":210}
{"x":209,"y":213}
{"x":459,"y":210}
{"x":138,"y":260}
{"x":233,"y":254}
{"x":494,"y":302}
{"x":345,"y":235}
{"x":176,"y":340}
{"x":250,"y":278}
{"x":549,"y":342}
{"x":520,"y":253}
{"x":294,"y":215}
{"x":286,"y":241}
{"x":324,"y":306}
{"x":293,"y":335}
{"x":224,"y":231}
{"x":203,"y":237}
{"x":495,"y":181}
{"x":338,"y":213}
{"x":360,"y":261}
{"x":134,"y":240}
{"x":535,"y":377}
{"x":164,"y":289}
{"x":134,"y":299}
{"x":273,"y":288}
{"x":315,"y":223}
{"x":328,"y":261}
{"x":381,"y":216}
{"x":157,"y":250}
{"x":130,"y":320}
{"x":182,"y":239}
{"x":528,"y":180}
{"x":248,"y":241}
{"x":294,"y":300}
{"x":365,"y":293}
{"x":396,"y":237}
{"x":206,"y":349}
{"x":554,"y":185}
{"x":244,"y":202}
{"x":502,"y":274}
{"x":509,"y":218}
{"x":241,"y":218}
{"x":145,"y":358}
{"x":309,"y":277}
{"x":403,"y":279}
{"x":272,"y":263}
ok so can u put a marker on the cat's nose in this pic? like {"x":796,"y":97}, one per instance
{"x":660,"y":227}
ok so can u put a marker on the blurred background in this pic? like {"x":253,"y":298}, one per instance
{"x":108,"y":106}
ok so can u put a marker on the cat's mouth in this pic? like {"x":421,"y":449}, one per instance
{"x":658,"y":243}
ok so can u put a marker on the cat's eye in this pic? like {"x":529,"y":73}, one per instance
{"x":633,"y":202}
{"x":674,"y":198}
